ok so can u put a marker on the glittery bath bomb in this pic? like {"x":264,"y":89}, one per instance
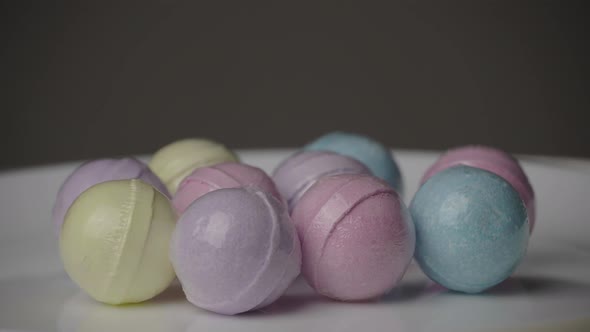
{"x":235,"y":250}
{"x":219,"y":176}
{"x":115,"y":240}
{"x":471,"y":228}
{"x":175,"y":161}
{"x":376,"y":156}
{"x":97,"y":171}
{"x":357,"y":238}
{"x":296,"y":174}
{"x":493,"y":160}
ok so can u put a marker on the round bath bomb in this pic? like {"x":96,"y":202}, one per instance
{"x":471,"y":228}
{"x":376,"y":156}
{"x":357,"y":238}
{"x":493,"y":160}
{"x":175,"y":161}
{"x":235,"y":250}
{"x":219,"y":176}
{"x":115,"y":239}
{"x":296,"y":174}
{"x":97,"y":171}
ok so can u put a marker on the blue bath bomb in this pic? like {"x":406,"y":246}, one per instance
{"x":376,"y":156}
{"x":471,"y":229}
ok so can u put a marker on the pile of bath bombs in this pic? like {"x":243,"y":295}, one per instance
{"x":236,"y":237}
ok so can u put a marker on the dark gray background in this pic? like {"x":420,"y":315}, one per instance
{"x":92,"y":79}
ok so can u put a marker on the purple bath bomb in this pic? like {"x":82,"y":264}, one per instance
{"x":235,"y":250}
{"x":296,"y":174}
{"x":97,"y":171}
{"x":357,"y":237}
{"x":492,"y":160}
{"x":219,"y":176}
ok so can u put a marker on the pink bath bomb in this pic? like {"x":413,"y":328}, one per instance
{"x":219,"y":176}
{"x":492,"y":160}
{"x":235,"y":250}
{"x":299,"y":172}
{"x":357,"y":238}
{"x":97,"y":171}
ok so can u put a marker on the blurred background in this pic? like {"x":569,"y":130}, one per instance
{"x":86,"y":79}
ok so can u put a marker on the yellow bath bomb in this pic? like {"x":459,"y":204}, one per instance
{"x":177,"y":160}
{"x":115,"y":239}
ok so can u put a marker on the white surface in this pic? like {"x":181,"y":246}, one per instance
{"x":551,"y":286}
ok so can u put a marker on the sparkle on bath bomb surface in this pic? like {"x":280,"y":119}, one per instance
{"x":493,"y":160}
{"x":471,"y":228}
{"x":357,"y":238}
{"x":235,"y":250}
{"x":115,"y":240}
{"x":219,"y":176}
{"x":175,"y":161}
{"x":296,"y":174}
{"x":97,"y":171}
{"x":376,"y":156}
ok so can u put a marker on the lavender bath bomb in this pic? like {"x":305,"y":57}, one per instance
{"x":97,"y":171}
{"x":296,"y":174}
{"x":235,"y":250}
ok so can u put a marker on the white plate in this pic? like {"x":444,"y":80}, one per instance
{"x":550,"y":289}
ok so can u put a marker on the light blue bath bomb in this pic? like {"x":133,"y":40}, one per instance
{"x":471,"y":229}
{"x":376,"y":156}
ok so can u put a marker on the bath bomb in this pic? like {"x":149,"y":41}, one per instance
{"x":115,"y":240}
{"x":296,"y":174}
{"x":357,"y":238}
{"x":219,"y":176}
{"x":235,"y":250}
{"x":97,"y":171}
{"x":175,"y":161}
{"x":493,"y":160}
{"x":471,"y":228}
{"x":376,"y":156}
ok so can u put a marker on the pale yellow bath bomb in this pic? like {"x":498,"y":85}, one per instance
{"x":115,"y":239}
{"x":177,"y":160}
